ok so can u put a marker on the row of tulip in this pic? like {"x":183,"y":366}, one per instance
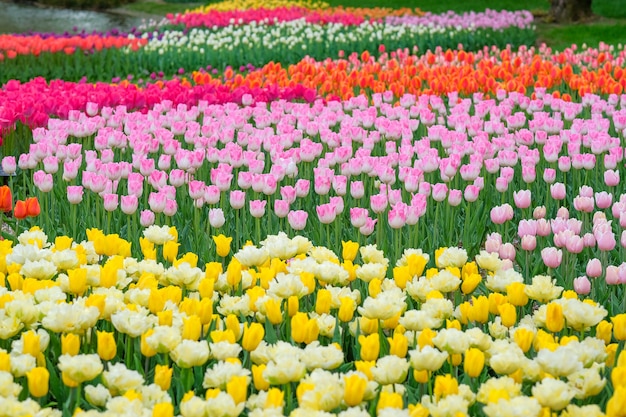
{"x":289,"y":328}
{"x":489,"y":19}
{"x":334,"y":171}
{"x":571,"y":73}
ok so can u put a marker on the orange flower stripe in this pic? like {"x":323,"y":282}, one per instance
{"x":12,"y":45}
{"x":433,"y":73}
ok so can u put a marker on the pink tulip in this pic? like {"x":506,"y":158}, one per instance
{"x":502,"y":184}
{"x":358,"y":216}
{"x":177,"y":177}
{"x":539,"y":212}
{"x":43,"y":181}
{"x":603,"y":199}
{"x":549,"y":175}
{"x":594,"y":268}
{"x":471,"y":193}
{"x":368,"y":228}
{"x":611,"y":178}
{"x":171,"y":207}
{"x":562,"y":213}
{"x":51,"y":164}
{"x":582,"y":285}
{"x":257,"y":208}
{"x":507,"y":251}
{"x":357,"y":189}
{"x":527,"y":227}
{"x":297,"y":219}
{"x":129,"y":204}
{"x":378,"y":203}
{"x":157,"y":202}
{"x":216,"y":218}
{"x":281,"y":208}
{"x":552,"y":257}
{"x":165,"y":162}
{"x":455,"y":197}
{"x":302,"y":187}
{"x":326,"y":213}
{"x":397,"y":216}
{"x":565,"y":163}
{"x":157,"y":179}
{"x":196,"y":189}
{"x":146,"y":166}
{"x":529,"y":243}
{"x":439,"y":192}
{"x":584,"y":204}
{"x":612,"y":275}
{"x":605,"y":240}
{"x":574,"y":244}
{"x":146,"y":218}
{"x":589,"y":240}
{"x":425,"y":188}
{"x":557,"y":191}
{"x":501,"y":214}
{"x":212,"y":194}
{"x":110,"y":201}
{"x":288,"y":193}
{"x":522,"y":198}
{"x":621,"y":273}
{"x":74,"y":194}
{"x":493,"y":242}
{"x":237,"y":199}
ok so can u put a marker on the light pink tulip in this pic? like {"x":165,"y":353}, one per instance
{"x":110,"y":201}
{"x":529,"y":243}
{"x":603,"y":199}
{"x":582,"y":285}
{"x":146,"y":218}
{"x":297,"y":219}
{"x":507,"y":251}
{"x":171,"y":207}
{"x":501,"y":214}
{"x":358,"y":216}
{"x":552,"y":257}
{"x":43,"y":181}
{"x":237,"y":199}
{"x":74,"y":194}
{"x":522,"y":198}
{"x":129,"y":204}
{"x":557,"y":191}
{"x":539,"y":212}
{"x":368,"y":228}
{"x":612,"y":275}
{"x":281,"y":208}
{"x":611,"y":178}
{"x":593,"y":268}
{"x":216,"y":217}
{"x":257,"y":208}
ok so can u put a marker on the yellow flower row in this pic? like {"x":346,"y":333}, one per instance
{"x":228,"y":5}
{"x":285,"y":326}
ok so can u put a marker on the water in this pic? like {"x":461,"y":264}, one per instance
{"x":21,"y":18}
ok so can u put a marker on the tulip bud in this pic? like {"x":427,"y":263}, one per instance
{"x":252,"y":336}
{"x":163,"y":376}
{"x":107,"y":348}
{"x":38,"y":379}
{"x":474,"y":362}
{"x":554,"y":317}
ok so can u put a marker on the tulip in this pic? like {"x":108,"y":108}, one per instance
{"x":77,"y":280}
{"x":552,"y":257}
{"x":252,"y":336}
{"x":554,"y":317}
{"x":474,"y":362}
{"x":216,"y":218}
{"x":370,"y":347}
{"x":163,"y":376}
{"x":107,"y":348}
{"x":354,"y":389}
{"x":523,"y":337}
{"x":582,"y":285}
{"x":619,"y":326}
{"x":70,"y":344}
{"x":508,"y":314}
{"x":38,"y":380}
{"x":6,"y":198}
{"x":297,"y":219}
{"x":222,"y":245}
{"x":237,"y":388}
{"x":445,"y":385}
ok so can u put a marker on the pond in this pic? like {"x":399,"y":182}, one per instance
{"x":22,"y":18}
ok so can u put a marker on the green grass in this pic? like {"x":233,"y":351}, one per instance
{"x":561,"y":37}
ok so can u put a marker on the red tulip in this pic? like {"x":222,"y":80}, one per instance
{"x":32,"y":207}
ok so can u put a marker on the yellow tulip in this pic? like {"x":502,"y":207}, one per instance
{"x":421,"y":376}
{"x":170,"y":251}
{"x":508,"y":314}
{"x":298,"y":327}
{"x":272,"y":311}
{"x":354,"y":389}
{"x":233,"y":273}
{"x":445,"y":385}
{"x":260,"y":383}
{"x":222,"y":245}
{"x":293,"y":305}
{"x":619,"y":326}
{"x":480,"y":309}
{"x":107,"y":348}
{"x":275,"y":398}
{"x":166,"y":317}
{"x":346,"y":309}
{"x":38,"y":379}
{"x":474,"y":362}
{"x":398,"y":345}
{"x":146,"y":350}
{"x":349,"y":250}
{"x":205,"y":287}
{"x":523,"y":338}
{"x":312,"y":331}
{"x":470,"y":283}
{"x":308,"y":279}
{"x":604,"y":331}
{"x":374,"y":287}
{"x":370,"y":347}
{"x":618,"y":376}
{"x":192,"y":327}
{"x":416,"y":264}
{"x":78,"y":280}
{"x":237,"y":388}
{"x":5,"y":362}
{"x":426,"y":338}
{"x":554,"y":317}
{"x":62,"y":243}
{"x":322,"y":304}
{"x":516,"y":294}
{"x":165,"y":409}
{"x":368,"y":326}
{"x":389,"y":400}
{"x":16,"y":281}
{"x":401,"y":276}
{"x":163,"y":376}
{"x":496,"y":299}
{"x":205,"y":311}
{"x":252,"y":336}
{"x":223,"y":336}
{"x":366,"y":368}
{"x":617,"y":403}
{"x":70,"y":344}
{"x":31,"y":345}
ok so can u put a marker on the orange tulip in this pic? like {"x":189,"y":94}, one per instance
{"x":32,"y":207}
{"x":6,"y":199}
{"x":21,"y":211}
